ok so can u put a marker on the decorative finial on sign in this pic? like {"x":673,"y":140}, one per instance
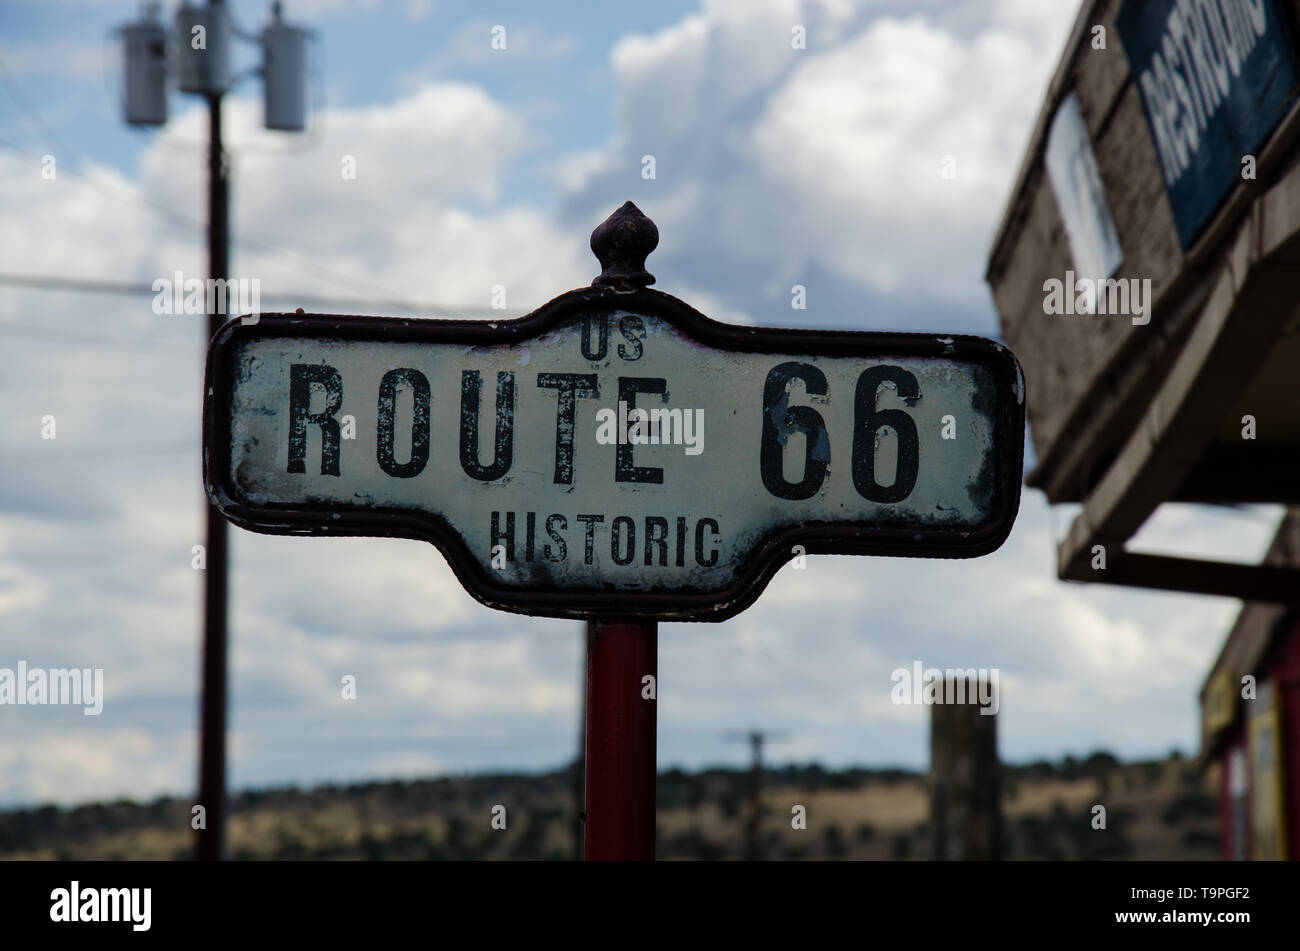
{"x":621,"y":243}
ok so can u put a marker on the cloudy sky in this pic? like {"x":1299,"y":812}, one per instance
{"x":478,"y":167}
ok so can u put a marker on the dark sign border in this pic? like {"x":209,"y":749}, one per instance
{"x":762,"y":561}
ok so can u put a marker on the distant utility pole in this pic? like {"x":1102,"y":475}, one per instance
{"x":754,"y":816}
{"x":199,"y":57}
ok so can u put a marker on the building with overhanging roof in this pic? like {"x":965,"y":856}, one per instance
{"x":1146,"y":271}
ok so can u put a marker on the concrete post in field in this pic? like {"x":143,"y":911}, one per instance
{"x":965,"y":815}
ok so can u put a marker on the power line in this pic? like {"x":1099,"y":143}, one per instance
{"x":103,"y":452}
{"x":74,"y":337}
{"x":127,"y":288}
{"x":20,"y":99}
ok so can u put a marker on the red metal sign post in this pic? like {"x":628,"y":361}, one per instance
{"x":622,"y":683}
{"x":622,"y":656}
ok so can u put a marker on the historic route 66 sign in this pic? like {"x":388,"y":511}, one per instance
{"x":615,"y":452}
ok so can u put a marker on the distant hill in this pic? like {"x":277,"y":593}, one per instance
{"x":1155,"y":810}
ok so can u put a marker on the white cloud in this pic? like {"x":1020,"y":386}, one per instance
{"x":417,"y":10}
{"x":823,"y":165}
{"x":58,"y":765}
{"x":494,"y":43}
{"x":421,"y":219}
{"x":1081,"y":666}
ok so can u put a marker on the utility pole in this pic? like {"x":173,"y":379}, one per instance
{"x":754,"y":814}
{"x":212,"y":729}
{"x":199,"y":59}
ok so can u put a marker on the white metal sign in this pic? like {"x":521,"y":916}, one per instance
{"x":615,"y":453}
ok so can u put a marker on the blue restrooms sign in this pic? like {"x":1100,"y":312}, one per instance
{"x":1215,"y":77}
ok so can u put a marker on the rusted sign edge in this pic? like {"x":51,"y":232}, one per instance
{"x":763,"y":561}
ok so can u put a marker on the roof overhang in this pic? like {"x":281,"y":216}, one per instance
{"x":1241,"y":354}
